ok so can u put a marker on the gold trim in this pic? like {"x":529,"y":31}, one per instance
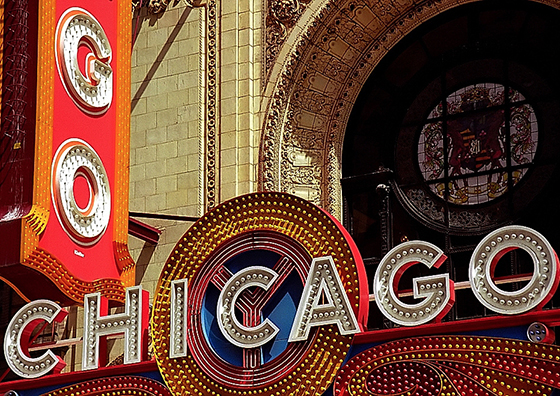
{"x":125,"y":263}
{"x":122,"y":386}
{"x":212,"y":118}
{"x":72,"y":287}
{"x":123,"y":259}
{"x":286,"y":215}
{"x":45,"y":105}
{"x":35,"y":222}
{"x":37,"y":219}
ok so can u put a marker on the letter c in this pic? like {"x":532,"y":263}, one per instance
{"x":16,"y":341}
{"x":236,"y":333}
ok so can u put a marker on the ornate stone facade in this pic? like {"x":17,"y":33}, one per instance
{"x":157,"y":6}
{"x":281,"y":17}
{"x":211,"y":104}
{"x":313,"y":94}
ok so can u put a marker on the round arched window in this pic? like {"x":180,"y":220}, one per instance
{"x":455,"y":133}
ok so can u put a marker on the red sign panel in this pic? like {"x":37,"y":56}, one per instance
{"x":75,"y":231}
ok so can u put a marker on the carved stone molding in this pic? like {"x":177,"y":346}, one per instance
{"x":211,"y":102}
{"x":281,"y":17}
{"x":304,"y":126}
{"x":158,"y":6}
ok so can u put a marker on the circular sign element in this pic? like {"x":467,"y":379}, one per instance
{"x":538,"y":332}
{"x":283,"y":265}
{"x":92,"y":91}
{"x":246,"y":264}
{"x":75,"y":159}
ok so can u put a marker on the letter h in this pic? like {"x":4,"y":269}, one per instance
{"x":98,"y":325}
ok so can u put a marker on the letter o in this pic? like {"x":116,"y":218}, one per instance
{"x":75,"y":158}
{"x":485,"y":257}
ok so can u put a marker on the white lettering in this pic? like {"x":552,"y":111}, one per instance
{"x":16,"y":341}
{"x":437,"y":290}
{"x":178,"y":330}
{"x":235,"y":332}
{"x":75,"y":158}
{"x":94,"y":91}
{"x":324,"y":301}
{"x":485,"y":257}
{"x":97,"y":324}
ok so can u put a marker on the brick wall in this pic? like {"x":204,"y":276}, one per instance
{"x":169,"y":155}
{"x":167,"y":130}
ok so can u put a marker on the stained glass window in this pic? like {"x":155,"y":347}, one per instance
{"x":489,"y":145}
{"x":455,"y":133}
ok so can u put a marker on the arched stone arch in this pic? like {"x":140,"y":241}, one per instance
{"x":315,"y":90}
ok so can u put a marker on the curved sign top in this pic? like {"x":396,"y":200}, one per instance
{"x":260,"y":291}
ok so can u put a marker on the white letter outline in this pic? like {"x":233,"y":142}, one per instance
{"x":323,"y":280}
{"x":133,"y":323}
{"x":178,"y":337}
{"x":235,"y":332}
{"x":16,"y":340}
{"x":93,"y":92}
{"x":540,"y":288}
{"x":438,"y":291}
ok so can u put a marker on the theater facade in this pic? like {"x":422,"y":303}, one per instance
{"x":304,"y":197}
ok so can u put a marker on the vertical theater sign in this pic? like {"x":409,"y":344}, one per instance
{"x":71,"y":215}
{"x":267,"y":294}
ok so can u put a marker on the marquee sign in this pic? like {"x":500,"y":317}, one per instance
{"x":452,"y":365}
{"x":74,"y":237}
{"x":266,"y":294}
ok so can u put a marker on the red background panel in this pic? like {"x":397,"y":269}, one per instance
{"x":70,"y":121}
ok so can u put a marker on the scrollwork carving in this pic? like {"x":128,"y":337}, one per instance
{"x":342,"y":44}
{"x":157,"y":6}
{"x":282,"y":16}
{"x":425,"y":205}
{"x":469,"y":220}
{"x":304,"y":175}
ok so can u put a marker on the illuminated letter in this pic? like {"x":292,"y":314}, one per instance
{"x":438,"y":291}
{"x":75,"y":158}
{"x":540,"y":288}
{"x":16,"y":341}
{"x":178,"y":335}
{"x":97,"y":325}
{"x":324,"y":301}
{"x":233,"y":331}
{"x":94,"y":91}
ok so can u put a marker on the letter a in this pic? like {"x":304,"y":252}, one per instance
{"x":324,"y":301}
